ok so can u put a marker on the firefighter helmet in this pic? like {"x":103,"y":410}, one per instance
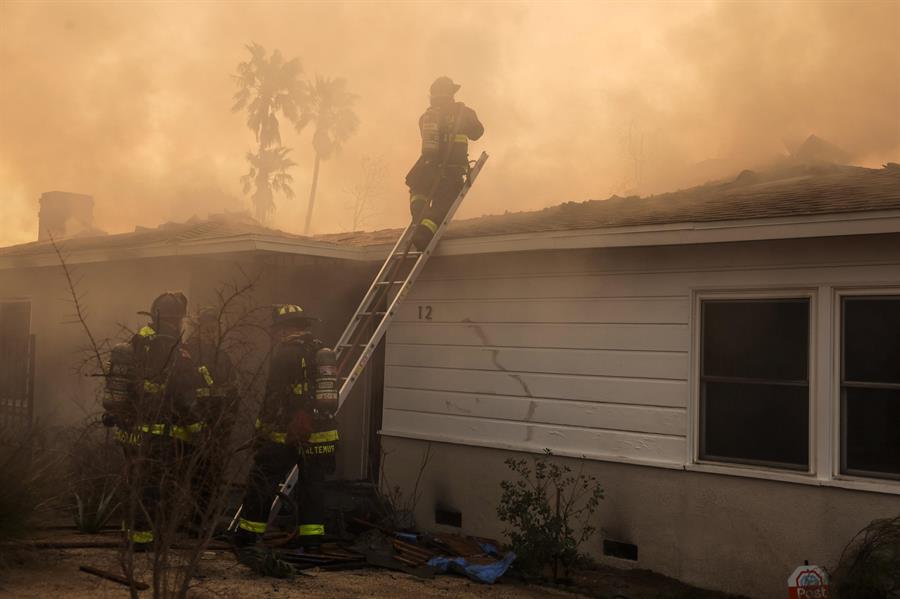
{"x":290,"y":314}
{"x":168,"y":306}
{"x":444,"y":86}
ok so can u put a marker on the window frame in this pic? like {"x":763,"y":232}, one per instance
{"x":838,"y":398}
{"x":773,"y":468}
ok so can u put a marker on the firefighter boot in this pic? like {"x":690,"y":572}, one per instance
{"x":423,"y":234}
{"x":245,"y":538}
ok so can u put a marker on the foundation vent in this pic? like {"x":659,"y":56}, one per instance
{"x":620,"y":550}
{"x":448,"y":517}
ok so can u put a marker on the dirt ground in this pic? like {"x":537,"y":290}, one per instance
{"x":52,"y":573}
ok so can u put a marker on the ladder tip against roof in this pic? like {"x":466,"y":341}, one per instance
{"x":385,"y":281}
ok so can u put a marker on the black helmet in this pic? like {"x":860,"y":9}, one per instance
{"x":444,"y":86}
{"x":290,"y":314}
{"x":169,"y":305}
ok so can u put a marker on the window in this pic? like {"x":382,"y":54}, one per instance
{"x":870,"y":386}
{"x":754,"y":381}
{"x":16,"y":364}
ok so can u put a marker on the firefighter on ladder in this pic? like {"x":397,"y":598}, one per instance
{"x":437,"y":176}
{"x":295,"y":427}
{"x":151,"y":383}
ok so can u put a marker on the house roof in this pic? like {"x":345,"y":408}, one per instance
{"x":799,"y":191}
{"x":803,"y":190}
{"x":217,"y":227}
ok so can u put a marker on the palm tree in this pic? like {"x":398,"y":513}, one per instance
{"x":331,"y":109}
{"x":268,"y":87}
{"x":268,"y":175}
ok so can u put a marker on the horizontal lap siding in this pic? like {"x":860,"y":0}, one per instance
{"x":554,"y":286}
{"x":634,"y":391}
{"x":605,"y":310}
{"x":610,"y":416}
{"x":590,"y":442}
{"x":637,"y":364}
{"x":585,"y":352}
{"x":593,"y":365}
{"x":636,"y":337}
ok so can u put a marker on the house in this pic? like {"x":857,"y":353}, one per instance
{"x":724,"y":359}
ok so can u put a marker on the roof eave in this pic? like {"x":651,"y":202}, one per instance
{"x":826,"y":225}
{"x":236,"y":244}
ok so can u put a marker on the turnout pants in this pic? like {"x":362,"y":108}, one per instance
{"x":156,"y":466}
{"x":431,"y":195}
{"x":271,"y":464}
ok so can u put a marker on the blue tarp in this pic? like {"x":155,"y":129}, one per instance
{"x":486,"y":573}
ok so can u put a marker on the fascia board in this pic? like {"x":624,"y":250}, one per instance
{"x":238,"y":244}
{"x":862,"y":223}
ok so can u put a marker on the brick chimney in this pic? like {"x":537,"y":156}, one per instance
{"x":65,"y":214}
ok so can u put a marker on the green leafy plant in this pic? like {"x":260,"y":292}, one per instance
{"x":542,"y":507}
{"x":94,"y":510}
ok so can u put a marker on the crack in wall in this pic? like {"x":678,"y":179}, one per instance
{"x":495,"y":358}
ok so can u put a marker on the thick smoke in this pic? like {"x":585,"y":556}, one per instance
{"x":130,"y":102}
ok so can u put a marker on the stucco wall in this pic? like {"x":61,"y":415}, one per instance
{"x":729,"y":533}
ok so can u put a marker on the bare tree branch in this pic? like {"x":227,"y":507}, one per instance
{"x":79,"y":312}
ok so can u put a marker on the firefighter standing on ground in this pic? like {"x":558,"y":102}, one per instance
{"x":437,"y":176}
{"x":292,"y":428}
{"x":216,"y":405}
{"x":151,"y":387}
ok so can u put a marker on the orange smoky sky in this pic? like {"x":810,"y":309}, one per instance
{"x":130,"y":102}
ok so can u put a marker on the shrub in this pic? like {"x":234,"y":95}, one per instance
{"x":869,"y":567}
{"x":542,"y":507}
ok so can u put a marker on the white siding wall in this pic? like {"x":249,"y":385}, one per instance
{"x":586,"y":352}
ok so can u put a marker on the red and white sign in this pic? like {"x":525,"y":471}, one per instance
{"x":808,"y":582}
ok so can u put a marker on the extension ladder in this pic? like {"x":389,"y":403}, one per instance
{"x":375,"y":313}
{"x":349,"y":348}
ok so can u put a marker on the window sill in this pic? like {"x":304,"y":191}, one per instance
{"x":888,"y":487}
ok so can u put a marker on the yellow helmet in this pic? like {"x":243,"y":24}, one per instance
{"x":283,"y":314}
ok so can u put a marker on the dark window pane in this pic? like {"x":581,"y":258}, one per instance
{"x":14,"y":329}
{"x":755,"y":423}
{"x":872,"y":339}
{"x":871,"y":424}
{"x":758,"y":339}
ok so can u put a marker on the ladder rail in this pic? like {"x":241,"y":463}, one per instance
{"x":372,"y":291}
{"x":413,"y":274}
